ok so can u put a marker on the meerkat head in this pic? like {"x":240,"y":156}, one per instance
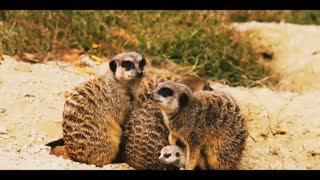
{"x":170,"y":96}
{"x":172,"y":155}
{"x":128,"y":66}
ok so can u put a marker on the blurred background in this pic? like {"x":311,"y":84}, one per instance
{"x":200,"y":40}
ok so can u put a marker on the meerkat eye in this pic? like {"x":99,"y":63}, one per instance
{"x":128,"y":65}
{"x":177,"y":154}
{"x":165,"y":92}
{"x":167,"y":155}
{"x":142,"y":63}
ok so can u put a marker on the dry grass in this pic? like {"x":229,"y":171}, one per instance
{"x":200,"y":40}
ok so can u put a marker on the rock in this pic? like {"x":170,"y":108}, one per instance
{"x":3,"y":130}
{"x":85,"y":60}
{"x":24,"y":67}
{"x":58,"y":120}
{"x":2,"y":110}
{"x":5,"y":137}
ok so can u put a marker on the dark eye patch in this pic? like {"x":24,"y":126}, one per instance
{"x":177,"y":154}
{"x":128,"y":65}
{"x":142,"y":63}
{"x":167,"y":155}
{"x":165,"y":92}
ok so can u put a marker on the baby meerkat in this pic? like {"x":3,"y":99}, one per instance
{"x":95,"y":111}
{"x":208,"y":122}
{"x":174,"y":155}
{"x":144,"y":133}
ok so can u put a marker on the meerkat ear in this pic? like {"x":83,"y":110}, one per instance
{"x":183,"y":100}
{"x":207,"y":87}
{"x":113,"y":66}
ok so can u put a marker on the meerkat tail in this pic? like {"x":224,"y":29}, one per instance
{"x":59,"y":142}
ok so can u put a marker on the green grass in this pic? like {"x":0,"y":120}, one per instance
{"x":196,"y":39}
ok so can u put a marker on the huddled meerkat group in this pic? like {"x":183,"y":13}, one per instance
{"x":150,"y":119}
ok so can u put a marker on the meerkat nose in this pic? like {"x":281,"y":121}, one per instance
{"x":139,"y":74}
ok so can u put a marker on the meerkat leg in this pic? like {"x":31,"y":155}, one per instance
{"x":193,"y":155}
{"x":202,"y":163}
{"x":172,"y":139}
{"x":213,"y":160}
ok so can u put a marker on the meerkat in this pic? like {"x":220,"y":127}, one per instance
{"x":144,"y":133}
{"x":95,"y":111}
{"x":174,"y":155}
{"x":209,"y":123}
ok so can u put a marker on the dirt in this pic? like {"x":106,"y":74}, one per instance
{"x":294,"y":51}
{"x":284,"y":128}
{"x":283,"y":122}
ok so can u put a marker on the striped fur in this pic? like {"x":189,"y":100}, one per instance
{"x":210,"y":124}
{"x":94,"y":113}
{"x":144,"y":133}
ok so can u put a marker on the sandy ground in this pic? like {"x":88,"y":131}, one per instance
{"x":284,"y":128}
{"x":295,"y":50}
{"x":283,"y":125}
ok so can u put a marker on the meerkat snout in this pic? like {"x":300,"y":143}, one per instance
{"x":139,"y":74}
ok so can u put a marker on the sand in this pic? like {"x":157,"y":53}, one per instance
{"x":295,"y":50}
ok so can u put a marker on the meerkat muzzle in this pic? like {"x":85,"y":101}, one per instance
{"x":150,"y":96}
{"x":139,"y":74}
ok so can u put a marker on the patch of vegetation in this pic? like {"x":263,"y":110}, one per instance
{"x":197,"y":39}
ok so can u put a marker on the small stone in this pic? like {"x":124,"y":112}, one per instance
{"x":85,"y":60}
{"x":41,"y":138}
{"x":2,"y":110}
{"x":58,"y":120}
{"x":25,"y":67}
{"x":3,"y":130}
{"x":5,"y":137}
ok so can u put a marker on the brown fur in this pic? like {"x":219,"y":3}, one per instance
{"x":93,"y":115}
{"x":144,"y":133}
{"x":210,"y":124}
